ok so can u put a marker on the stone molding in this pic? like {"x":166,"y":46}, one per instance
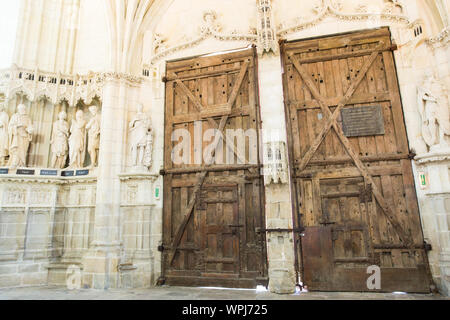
{"x":138,"y":176}
{"x":210,"y":29}
{"x":129,"y":79}
{"x":58,"y":180}
{"x":441,"y":40}
{"x":332,"y":8}
{"x":432,"y":157}
{"x":56,"y":87}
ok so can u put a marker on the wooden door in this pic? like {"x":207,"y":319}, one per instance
{"x":355,"y":193}
{"x":212,"y":208}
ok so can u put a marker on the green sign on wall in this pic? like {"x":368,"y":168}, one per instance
{"x":423,"y":180}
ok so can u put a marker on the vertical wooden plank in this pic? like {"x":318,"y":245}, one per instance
{"x":389,"y":136}
{"x":397,"y":110}
{"x":244,"y":213}
{"x":183,"y":255}
{"x":412,"y":208}
{"x":386,"y":182}
{"x":317,"y":209}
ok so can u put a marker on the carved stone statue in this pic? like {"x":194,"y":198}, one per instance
{"x":77,"y":141}
{"x":4,"y":138}
{"x":434,"y":110}
{"x":93,"y":128}
{"x":20,"y":135}
{"x":140,"y":139}
{"x":59,"y":141}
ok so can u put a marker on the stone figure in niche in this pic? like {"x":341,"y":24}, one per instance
{"x":140,"y":139}
{"x":434,"y":110}
{"x":20,"y":135}
{"x":59,"y":142}
{"x":4,"y":138}
{"x":93,"y":128}
{"x":77,"y":141}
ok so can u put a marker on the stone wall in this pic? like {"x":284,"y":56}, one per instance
{"x":109,"y":225}
{"x":42,"y":221}
{"x":46,"y":228}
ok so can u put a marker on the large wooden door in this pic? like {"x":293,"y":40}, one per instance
{"x":351,"y":167}
{"x":212,"y":208}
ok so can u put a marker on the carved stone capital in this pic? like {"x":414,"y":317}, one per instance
{"x":130,"y":79}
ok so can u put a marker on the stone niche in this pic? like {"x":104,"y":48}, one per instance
{"x":433,"y":171}
{"x":43,"y":114}
{"x":141,"y":229}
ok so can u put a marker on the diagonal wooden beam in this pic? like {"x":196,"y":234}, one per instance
{"x":200,"y":108}
{"x":238,"y":84}
{"x":330,"y":118}
{"x":386,"y":209}
{"x":331,"y":122}
{"x":201,"y":176}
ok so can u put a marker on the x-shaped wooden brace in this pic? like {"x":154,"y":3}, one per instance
{"x":332,"y":123}
{"x":201,"y":176}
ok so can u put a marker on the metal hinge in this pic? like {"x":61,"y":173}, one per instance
{"x":427,"y":246}
{"x":161,"y":281}
{"x":161,"y":248}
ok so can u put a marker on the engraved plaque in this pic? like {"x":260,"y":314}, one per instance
{"x":362,"y":121}
{"x":82,"y":172}
{"x":49,"y":172}
{"x":67,"y":173}
{"x":27,"y":172}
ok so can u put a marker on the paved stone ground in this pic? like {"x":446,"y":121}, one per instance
{"x":182,"y":293}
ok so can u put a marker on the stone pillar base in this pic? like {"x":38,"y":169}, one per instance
{"x":101,"y":267}
{"x":282,"y":281}
{"x":445,"y":273}
{"x":280,"y":245}
{"x":59,"y":274}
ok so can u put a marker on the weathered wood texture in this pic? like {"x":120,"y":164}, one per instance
{"x":212,"y":209}
{"x":354,"y":194}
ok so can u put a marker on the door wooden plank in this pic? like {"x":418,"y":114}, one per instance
{"x":205,"y":209}
{"x":378,"y":209}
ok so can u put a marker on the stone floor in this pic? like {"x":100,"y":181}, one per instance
{"x":182,"y":293}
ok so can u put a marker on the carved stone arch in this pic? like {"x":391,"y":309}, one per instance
{"x":45,"y":94}
{"x":92,"y":97}
{"x":433,"y":18}
{"x":23,"y":91}
{"x":61,"y":101}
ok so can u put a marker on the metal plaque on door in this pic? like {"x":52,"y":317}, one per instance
{"x":362,"y":121}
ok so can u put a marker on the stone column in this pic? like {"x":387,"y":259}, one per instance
{"x":434,"y":201}
{"x":280,"y":245}
{"x":102,"y":260}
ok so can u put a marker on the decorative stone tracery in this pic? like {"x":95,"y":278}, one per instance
{"x":333,"y":8}
{"x":211,"y":28}
{"x":267,"y":37}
